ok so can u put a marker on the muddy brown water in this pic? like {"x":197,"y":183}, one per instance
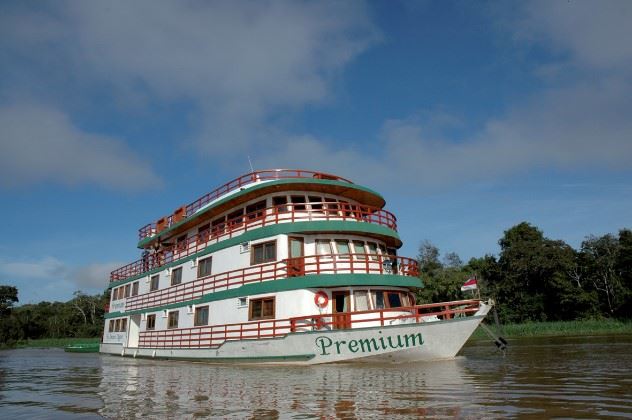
{"x":572,"y":377}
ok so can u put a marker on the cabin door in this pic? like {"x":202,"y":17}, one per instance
{"x":341,"y":309}
{"x":295,"y":262}
{"x":134,"y":331}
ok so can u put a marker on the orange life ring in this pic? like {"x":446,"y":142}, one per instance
{"x":321,"y":299}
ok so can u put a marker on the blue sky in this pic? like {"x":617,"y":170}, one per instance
{"x":469,"y":117}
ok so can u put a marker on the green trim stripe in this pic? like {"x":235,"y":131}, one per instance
{"x":272,"y":230}
{"x":248,"y":190}
{"x":236,"y":359}
{"x":287,"y":284}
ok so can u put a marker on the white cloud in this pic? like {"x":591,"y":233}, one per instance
{"x":595,"y":34}
{"x":40,"y":143}
{"x":240,"y":63}
{"x":93,"y":276}
{"x":42,"y":269}
{"x":32,"y":276}
{"x":579,"y":120}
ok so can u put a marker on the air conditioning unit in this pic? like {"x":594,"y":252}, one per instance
{"x":242,"y":302}
{"x":244,"y":247}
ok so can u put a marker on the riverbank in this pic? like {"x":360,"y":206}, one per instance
{"x":54,"y":342}
{"x":558,"y":328}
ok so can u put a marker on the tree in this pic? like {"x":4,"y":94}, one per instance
{"x":532,"y":281}
{"x":624,"y":268}
{"x":442,"y":282}
{"x":604,"y":266}
{"x":8,"y":296}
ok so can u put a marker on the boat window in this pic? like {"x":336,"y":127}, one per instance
{"x":111,"y":329}
{"x":265,"y":252}
{"x":151,"y":322}
{"x":218,"y":226}
{"x":117,"y":325}
{"x":181,"y":243}
{"x":203,"y":232}
{"x":300,"y":199}
{"x":373,"y":250}
{"x":279,"y":203}
{"x":128,"y":290}
{"x":343,"y":248}
{"x":256,"y":210}
{"x":378,"y":299}
{"x":123,"y":324}
{"x":153,"y":285}
{"x":332,"y":207}
{"x":135,"y":288}
{"x":316,"y":203}
{"x":358,"y":250}
{"x":348,"y":209}
{"x":296,"y":247}
{"x":323,"y":247}
{"x":235,"y":218}
{"x":176,"y":276}
{"x":261,"y":309}
{"x":361,"y":300}
{"x":204,"y":267}
{"x":201,"y":316}
{"x":173,"y":319}
{"x":394,"y":300}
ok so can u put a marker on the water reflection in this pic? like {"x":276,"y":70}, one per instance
{"x":347,"y":391}
{"x":543,"y":378}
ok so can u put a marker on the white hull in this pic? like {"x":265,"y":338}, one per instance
{"x":424,"y":341}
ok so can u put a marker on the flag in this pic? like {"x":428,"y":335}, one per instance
{"x":470,"y":284}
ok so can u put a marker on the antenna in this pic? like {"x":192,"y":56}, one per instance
{"x":250,"y":163}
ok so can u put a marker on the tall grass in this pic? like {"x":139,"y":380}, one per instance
{"x":560,"y":328}
{"x":56,"y":342}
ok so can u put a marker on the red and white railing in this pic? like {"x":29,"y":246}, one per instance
{"x":293,"y":267}
{"x":265,"y":175}
{"x":216,"y":335}
{"x":285,"y":213}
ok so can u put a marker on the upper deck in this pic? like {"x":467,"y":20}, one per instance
{"x":238,"y":188}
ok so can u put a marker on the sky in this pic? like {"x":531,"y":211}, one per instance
{"x":469,"y":117}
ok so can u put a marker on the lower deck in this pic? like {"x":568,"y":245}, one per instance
{"x":319,"y":337}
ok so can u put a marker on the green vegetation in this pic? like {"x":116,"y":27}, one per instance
{"x":50,"y":324}
{"x":536,"y":279}
{"x":56,"y":342}
{"x":560,"y":328}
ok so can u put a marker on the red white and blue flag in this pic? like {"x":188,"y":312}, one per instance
{"x":470,"y":284}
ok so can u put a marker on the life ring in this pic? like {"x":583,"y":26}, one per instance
{"x":321,"y":299}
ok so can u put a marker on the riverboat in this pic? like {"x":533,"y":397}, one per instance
{"x":280,"y":266}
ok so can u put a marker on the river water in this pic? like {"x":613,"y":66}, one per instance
{"x":576,"y":377}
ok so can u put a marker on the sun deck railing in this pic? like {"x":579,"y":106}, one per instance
{"x":292,"y":267}
{"x":214,"y":336}
{"x":265,"y":175}
{"x":285,"y":213}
